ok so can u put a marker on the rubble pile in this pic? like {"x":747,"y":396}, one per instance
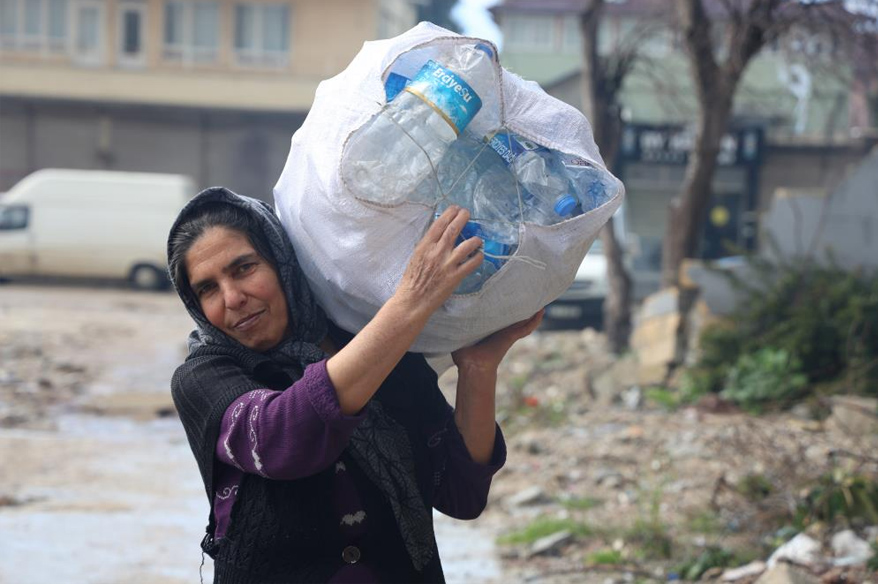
{"x":602,"y":484}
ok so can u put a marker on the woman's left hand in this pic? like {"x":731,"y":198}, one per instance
{"x":487,"y":354}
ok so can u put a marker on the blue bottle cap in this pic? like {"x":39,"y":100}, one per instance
{"x":486,"y":49}
{"x":565,"y":205}
{"x":394,"y":85}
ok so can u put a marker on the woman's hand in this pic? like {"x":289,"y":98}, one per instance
{"x":487,"y":354}
{"x":437,"y":267}
{"x":435,"y":270}
{"x":477,"y":384}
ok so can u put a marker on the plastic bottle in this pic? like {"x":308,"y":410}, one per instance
{"x":594,"y":186}
{"x":473,"y":176}
{"x":549,"y":197}
{"x":394,"y":151}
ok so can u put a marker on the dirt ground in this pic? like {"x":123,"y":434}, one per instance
{"x":98,"y":484}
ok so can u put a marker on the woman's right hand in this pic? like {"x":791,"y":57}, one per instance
{"x":437,"y":267}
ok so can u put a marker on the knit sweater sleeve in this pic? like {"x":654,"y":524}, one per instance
{"x":460,"y":485}
{"x":286,"y":434}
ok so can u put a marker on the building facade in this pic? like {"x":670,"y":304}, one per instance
{"x":213,"y":89}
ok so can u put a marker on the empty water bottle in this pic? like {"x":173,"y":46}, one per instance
{"x":473,"y":176}
{"x":492,"y":250}
{"x":548,"y":196}
{"x":594,"y":186}
{"x":393,"y":152}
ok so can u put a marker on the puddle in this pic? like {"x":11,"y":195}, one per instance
{"x":467,"y":551}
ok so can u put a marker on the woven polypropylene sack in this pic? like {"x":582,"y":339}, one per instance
{"x":354,"y":253}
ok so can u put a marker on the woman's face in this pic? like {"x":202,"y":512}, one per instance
{"x":238,"y":290}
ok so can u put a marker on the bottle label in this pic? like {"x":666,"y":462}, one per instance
{"x":509,"y":146}
{"x":447,"y":93}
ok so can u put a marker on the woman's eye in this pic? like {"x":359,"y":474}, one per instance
{"x":205,"y":290}
{"x":244,"y":268}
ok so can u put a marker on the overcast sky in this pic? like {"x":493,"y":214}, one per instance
{"x":476,"y":21}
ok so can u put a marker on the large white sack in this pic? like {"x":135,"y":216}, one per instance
{"x":354,"y":253}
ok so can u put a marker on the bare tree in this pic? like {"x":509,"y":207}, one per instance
{"x":601,"y":86}
{"x":717,"y":69}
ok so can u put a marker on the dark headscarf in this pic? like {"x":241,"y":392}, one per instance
{"x":307,"y":320}
{"x":379,"y":445}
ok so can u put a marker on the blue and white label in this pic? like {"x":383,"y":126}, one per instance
{"x":509,"y":146}
{"x":450,"y":95}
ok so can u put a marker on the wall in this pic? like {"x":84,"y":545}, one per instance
{"x":325,"y":35}
{"x":244,"y":151}
{"x":810,"y":222}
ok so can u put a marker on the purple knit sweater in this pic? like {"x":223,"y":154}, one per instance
{"x":299,"y":432}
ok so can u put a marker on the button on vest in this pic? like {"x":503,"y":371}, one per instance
{"x":351,"y":554}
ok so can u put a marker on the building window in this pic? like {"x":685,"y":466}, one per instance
{"x":192,"y":31}
{"x":57,"y":24}
{"x":535,"y":33}
{"x":132,"y":24}
{"x":262,"y":34}
{"x":33,"y":19}
{"x":88,"y":30}
{"x":8,"y":23}
{"x":33,"y":25}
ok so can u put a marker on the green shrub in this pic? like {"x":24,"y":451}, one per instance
{"x":649,"y":533}
{"x":605,"y":558}
{"x":666,"y":398}
{"x":768,"y":375}
{"x":711,"y":557}
{"x":798,"y":327}
{"x":755,"y":487}
{"x":839,"y":496}
{"x":580,"y":503}
{"x":652,"y":539}
{"x":542,"y":527}
{"x":706,"y":521}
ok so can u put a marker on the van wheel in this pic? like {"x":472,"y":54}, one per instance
{"x":144,"y":277}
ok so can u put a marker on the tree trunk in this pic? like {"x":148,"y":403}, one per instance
{"x":617,"y":304}
{"x":603,"y":112}
{"x":686,"y":212}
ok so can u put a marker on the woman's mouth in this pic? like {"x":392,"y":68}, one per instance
{"x":248,"y":322}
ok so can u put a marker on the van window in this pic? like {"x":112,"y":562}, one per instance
{"x":13,"y":217}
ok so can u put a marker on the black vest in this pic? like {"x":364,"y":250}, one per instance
{"x":287,"y":531}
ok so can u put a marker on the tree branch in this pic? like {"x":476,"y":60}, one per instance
{"x":696,"y":27}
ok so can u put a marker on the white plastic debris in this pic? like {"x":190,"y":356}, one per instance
{"x":799,"y":550}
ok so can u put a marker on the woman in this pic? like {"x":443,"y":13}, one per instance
{"x":323,"y":453}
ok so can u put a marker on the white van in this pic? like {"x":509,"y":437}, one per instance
{"x":88,"y":223}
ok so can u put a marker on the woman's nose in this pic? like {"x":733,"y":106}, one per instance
{"x":234,"y":297}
